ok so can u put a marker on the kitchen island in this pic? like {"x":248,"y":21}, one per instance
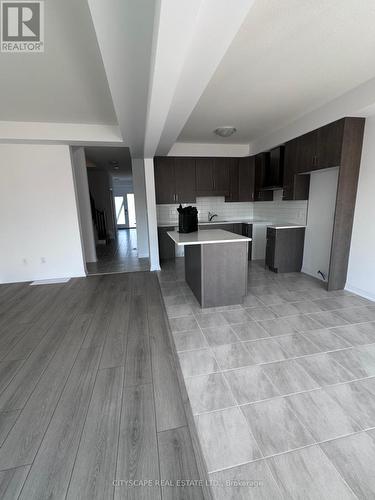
{"x":216,"y":265}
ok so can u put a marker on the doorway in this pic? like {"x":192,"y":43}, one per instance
{"x":125,"y":211}
{"x":114,"y":221}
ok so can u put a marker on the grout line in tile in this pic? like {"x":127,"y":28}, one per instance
{"x":235,"y":400}
{"x":316,"y":443}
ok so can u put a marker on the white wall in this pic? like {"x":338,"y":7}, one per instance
{"x":361,"y":270}
{"x":40,"y":236}
{"x":320,"y":217}
{"x":66,"y":133}
{"x":138,"y":170}
{"x":83,"y":203}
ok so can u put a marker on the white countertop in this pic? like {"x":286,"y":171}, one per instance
{"x":233,"y":221}
{"x":218,"y":221}
{"x":205,"y":237}
{"x":285,"y":226}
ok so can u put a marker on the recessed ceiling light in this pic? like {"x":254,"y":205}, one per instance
{"x":225,"y":131}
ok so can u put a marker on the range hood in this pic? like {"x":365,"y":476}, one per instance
{"x":274,"y":171}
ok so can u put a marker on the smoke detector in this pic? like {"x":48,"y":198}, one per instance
{"x":225,"y":131}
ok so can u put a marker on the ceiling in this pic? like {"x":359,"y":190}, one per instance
{"x":288,"y":58}
{"x":258,"y":65}
{"x":104,"y":158}
{"x":66,"y":83}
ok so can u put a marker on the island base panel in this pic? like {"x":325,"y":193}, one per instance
{"x":193,"y":269}
{"x":217,"y":273}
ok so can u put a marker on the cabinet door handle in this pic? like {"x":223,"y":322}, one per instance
{"x":176,"y":195}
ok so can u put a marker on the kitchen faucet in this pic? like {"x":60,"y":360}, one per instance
{"x":211,"y":216}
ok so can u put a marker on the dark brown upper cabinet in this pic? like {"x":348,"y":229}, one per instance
{"x":307,"y":152}
{"x":261,"y":161}
{"x":320,"y":148}
{"x":175,"y":180}
{"x":165,"y":185}
{"x":221,"y":176}
{"x":316,"y":150}
{"x":233,"y":169}
{"x":274,"y":170}
{"x":246,"y":179}
{"x":241,"y":179}
{"x":330,"y":141}
{"x":290,"y":168}
{"x":295,"y":186}
{"x":184,"y":169}
{"x":204,"y":176}
{"x":212,"y":177}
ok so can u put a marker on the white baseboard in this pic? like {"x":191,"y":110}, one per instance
{"x":143,"y":255}
{"x":50,"y":281}
{"x":358,"y":291}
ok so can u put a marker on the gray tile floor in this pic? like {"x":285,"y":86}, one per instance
{"x":281,"y":387}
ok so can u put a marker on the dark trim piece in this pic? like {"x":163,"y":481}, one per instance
{"x":345,"y":202}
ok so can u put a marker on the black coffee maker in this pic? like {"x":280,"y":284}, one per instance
{"x":187,"y":219}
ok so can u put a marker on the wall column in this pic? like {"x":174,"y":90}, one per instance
{"x":138,"y":171}
{"x":83,"y":203}
{"x":151,"y":214}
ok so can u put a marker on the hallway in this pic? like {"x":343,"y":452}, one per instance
{"x":119,"y":256}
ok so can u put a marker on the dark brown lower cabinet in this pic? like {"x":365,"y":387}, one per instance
{"x":225,"y":227}
{"x":167,"y":248}
{"x":237,"y":228}
{"x":284,"y":249}
{"x":247,"y":230}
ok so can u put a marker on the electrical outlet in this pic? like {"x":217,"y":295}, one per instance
{"x":43,"y":260}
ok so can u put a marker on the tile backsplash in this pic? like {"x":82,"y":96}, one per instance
{"x":294,"y":212}
{"x":273,"y":211}
{"x":216,"y":204}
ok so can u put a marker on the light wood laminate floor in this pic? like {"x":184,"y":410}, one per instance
{"x":119,"y":255}
{"x":90,"y":404}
